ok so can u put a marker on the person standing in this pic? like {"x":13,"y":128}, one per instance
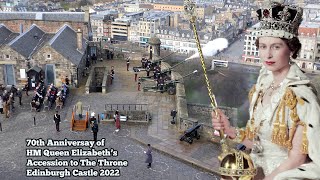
{"x":128,"y":63}
{"x":95,"y":129}
{"x":112,"y":70}
{"x":94,"y":59}
{"x":148,"y":69}
{"x":112,"y":74}
{"x":149,"y":156}
{"x":67,"y":81}
{"x":57,"y":120}
{"x":19,"y":94}
{"x":117,"y":120}
{"x":1,"y":105}
{"x":135,"y":76}
{"x":93,"y":119}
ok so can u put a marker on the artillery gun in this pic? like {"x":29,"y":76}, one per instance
{"x":169,"y":86}
{"x":153,"y":64}
{"x":166,"y":73}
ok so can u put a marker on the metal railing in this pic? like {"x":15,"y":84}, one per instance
{"x":127,"y":107}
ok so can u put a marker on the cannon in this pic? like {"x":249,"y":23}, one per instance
{"x":168,"y":86}
{"x":153,"y":64}
{"x":166,"y":73}
{"x":191,"y":133}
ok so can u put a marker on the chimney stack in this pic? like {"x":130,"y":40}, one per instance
{"x":79,"y":39}
{"x":21,"y":28}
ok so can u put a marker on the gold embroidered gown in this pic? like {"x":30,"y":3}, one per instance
{"x":276,"y":143}
{"x":272,"y":154}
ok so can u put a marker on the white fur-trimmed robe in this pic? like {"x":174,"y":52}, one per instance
{"x":309,"y":113}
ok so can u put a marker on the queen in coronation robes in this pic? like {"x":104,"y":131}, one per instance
{"x":283,"y":132}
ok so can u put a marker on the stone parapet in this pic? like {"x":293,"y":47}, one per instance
{"x":202,"y":112}
{"x":105,"y":81}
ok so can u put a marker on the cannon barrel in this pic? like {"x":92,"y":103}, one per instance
{"x":146,"y":78}
{"x":169,"y":69}
{"x":178,"y":80}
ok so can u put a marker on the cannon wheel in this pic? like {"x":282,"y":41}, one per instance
{"x":198,"y":137}
{"x":182,"y":138}
{"x":171,"y":90}
{"x":190,"y":140}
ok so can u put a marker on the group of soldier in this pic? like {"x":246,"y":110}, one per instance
{"x":7,"y":99}
{"x":158,"y":76}
{"x":51,"y":96}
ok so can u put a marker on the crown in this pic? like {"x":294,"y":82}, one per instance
{"x":279,"y":20}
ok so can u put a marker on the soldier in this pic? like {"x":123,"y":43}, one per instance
{"x":95,"y":129}
{"x":67,"y":80}
{"x":92,"y":119}
{"x":111,"y":54}
{"x":94,"y":58}
{"x":173,"y":115}
{"x":117,"y":120}
{"x":161,"y":84}
{"x":148,"y":70}
{"x":112,"y":70}
{"x":13,"y":89}
{"x":143,"y":62}
{"x":112,"y":74}
{"x":19,"y":94}
{"x":128,"y":63}
{"x":1,"y":104}
{"x":57,"y":120}
{"x":135,"y":76}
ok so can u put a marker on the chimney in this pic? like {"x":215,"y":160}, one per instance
{"x":86,"y":14}
{"x":21,"y":28}
{"x":79,"y":39}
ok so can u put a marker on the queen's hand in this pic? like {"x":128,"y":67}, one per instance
{"x":221,"y":122}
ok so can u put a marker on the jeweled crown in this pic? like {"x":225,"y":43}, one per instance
{"x":279,"y":20}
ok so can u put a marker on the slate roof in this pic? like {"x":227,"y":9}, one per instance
{"x":65,"y":43}
{"x":6,"y":35}
{"x":30,"y":41}
{"x":44,"y":16}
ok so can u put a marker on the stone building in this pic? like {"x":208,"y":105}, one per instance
{"x":17,"y":56}
{"x":64,"y":55}
{"x":179,"y":40}
{"x":36,"y":54}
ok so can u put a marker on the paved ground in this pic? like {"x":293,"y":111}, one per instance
{"x":172,"y":159}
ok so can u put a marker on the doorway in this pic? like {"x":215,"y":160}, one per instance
{"x":9,"y":74}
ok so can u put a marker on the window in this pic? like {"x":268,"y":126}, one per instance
{"x":48,"y":56}
{"x":7,"y":56}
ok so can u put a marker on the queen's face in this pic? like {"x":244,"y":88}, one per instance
{"x":274,"y":53}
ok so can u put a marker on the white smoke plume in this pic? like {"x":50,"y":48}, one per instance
{"x":211,"y":48}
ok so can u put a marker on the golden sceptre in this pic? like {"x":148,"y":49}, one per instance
{"x":233,"y":163}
